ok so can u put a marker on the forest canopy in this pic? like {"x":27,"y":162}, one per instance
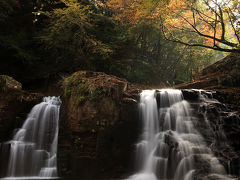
{"x":146,"y":41}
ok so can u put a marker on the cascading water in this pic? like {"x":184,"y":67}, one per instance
{"x":34,"y":147}
{"x":170,"y":148}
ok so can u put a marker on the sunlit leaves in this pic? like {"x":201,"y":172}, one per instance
{"x":71,"y":31}
{"x":212,"y":20}
{"x":131,"y":12}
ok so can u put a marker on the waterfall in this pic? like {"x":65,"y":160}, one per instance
{"x":33,"y":149}
{"x":170,"y":148}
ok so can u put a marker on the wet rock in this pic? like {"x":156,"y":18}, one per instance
{"x":190,"y":95}
{"x":235,"y":166}
{"x":162,"y":100}
{"x":216,"y":177}
{"x":220,"y":128}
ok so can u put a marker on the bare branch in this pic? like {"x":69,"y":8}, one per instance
{"x":182,"y":29}
{"x":194,"y":44}
{"x":211,"y":8}
{"x":215,"y":29}
{"x":205,"y":46}
{"x":204,"y":20}
{"x":202,"y":14}
{"x":222,"y":23}
{"x":223,"y":41}
{"x":200,"y":17}
{"x":234,"y":29}
{"x":194,"y":20}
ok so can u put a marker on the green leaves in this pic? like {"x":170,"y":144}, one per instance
{"x":71,"y":33}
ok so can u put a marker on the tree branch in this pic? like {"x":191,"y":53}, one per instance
{"x":213,"y":22}
{"x":222,"y":22}
{"x":217,"y":48}
{"x":234,"y":29}
{"x":223,"y":41}
{"x":205,"y":46}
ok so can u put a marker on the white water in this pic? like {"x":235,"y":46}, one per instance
{"x":33,"y":149}
{"x":169,"y":143}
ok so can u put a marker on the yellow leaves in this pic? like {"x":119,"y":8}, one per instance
{"x":100,"y":3}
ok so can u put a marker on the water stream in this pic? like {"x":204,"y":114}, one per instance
{"x":33,"y":149}
{"x":170,"y":148}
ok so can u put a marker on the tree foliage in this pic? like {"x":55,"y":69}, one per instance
{"x":16,"y":36}
{"x":213,"y":23}
{"x":164,"y":60}
{"x":126,"y":38}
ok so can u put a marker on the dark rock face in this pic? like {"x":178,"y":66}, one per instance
{"x":190,"y":95}
{"x":15,"y":104}
{"x":219,"y":125}
{"x":98,"y":127}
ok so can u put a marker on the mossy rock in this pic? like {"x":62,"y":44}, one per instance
{"x":92,"y":86}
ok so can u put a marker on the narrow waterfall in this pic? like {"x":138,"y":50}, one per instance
{"x":170,"y":148}
{"x":33,"y":149}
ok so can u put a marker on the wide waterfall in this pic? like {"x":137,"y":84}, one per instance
{"x":170,"y":148}
{"x":33,"y":149}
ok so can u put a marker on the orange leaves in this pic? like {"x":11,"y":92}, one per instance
{"x":195,"y":20}
{"x":177,"y":5}
{"x":122,"y":10}
{"x":131,"y":12}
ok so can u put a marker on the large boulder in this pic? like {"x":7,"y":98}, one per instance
{"x":98,"y":126}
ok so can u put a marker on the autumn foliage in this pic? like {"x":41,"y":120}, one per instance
{"x":133,"y":39}
{"x":210,"y":24}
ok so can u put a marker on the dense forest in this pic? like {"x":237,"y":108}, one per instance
{"x":152,"y":42}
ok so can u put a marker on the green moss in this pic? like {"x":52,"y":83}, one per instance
{"x":82,"y":89}
{"x":68,"y":92}
{"x":78,"y":100}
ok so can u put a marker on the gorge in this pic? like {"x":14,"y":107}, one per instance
{"x":120,"y":89}
{"x":123,"y":132}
